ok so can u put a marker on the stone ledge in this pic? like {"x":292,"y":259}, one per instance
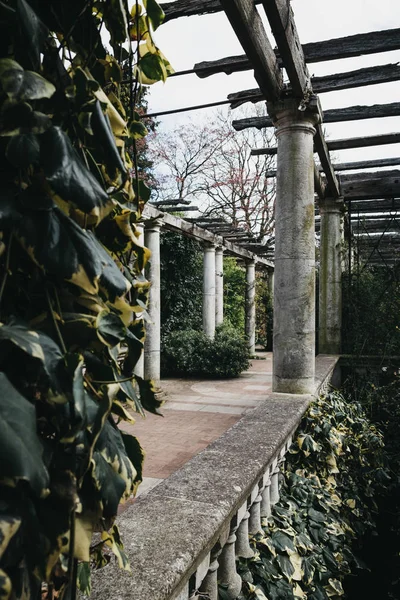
{"x":168,"y":532}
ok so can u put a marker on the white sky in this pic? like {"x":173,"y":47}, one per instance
{"x":189,"y":40}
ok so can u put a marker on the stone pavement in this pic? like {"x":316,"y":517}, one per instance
{"x":196,"y":412}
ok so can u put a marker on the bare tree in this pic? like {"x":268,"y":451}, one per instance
{"x":212,"y":164}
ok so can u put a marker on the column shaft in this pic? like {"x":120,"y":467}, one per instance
{"x":330,"y":277}
{"x":139,"y":367}
{"x":250,"y":305}
{"x":153,"y":329}
{"x":294,"y":285}
{"x":209,"y":290}
{"x":219,"y":286}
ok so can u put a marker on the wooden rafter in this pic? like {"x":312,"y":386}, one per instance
{"x":371,"y":185}
{"x":249,"y":29}
{"x":331,"y":83}
{"x":344,"y":47}
{"x":336,"y":115}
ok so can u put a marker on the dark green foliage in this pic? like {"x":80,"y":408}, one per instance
{"x":71,"y":292}
{"x":371,"y":309}
{"x":234,"y":293}
{"x":181,"y":283}
{"x":191,"y":352}
{"x":335,"y":471}
{"x":264,"y":311}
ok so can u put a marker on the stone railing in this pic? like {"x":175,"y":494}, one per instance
{"x":184,"y":536}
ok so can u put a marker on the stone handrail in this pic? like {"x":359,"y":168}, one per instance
{"x":185,"y":534}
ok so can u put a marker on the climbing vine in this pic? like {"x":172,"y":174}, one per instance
{"x":335,"y":471}
{"x":72,"y":292}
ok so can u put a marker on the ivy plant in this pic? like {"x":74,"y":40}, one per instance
{"x":335,"y":469}
{"x":72,"y":294}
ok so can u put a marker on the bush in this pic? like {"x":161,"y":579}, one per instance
{"x":193,"y":353}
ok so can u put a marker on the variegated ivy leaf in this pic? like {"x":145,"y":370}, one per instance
{"x":5,"y":585}
{"x":113,"y":540}
{"x":21,"y":84}
{"x":9,"y":526}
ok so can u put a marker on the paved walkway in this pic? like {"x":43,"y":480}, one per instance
{"x":196,"y":412}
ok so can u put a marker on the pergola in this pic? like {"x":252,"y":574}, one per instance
{"x":294,"y":109}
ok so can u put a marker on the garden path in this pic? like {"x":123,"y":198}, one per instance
{"x":196,"y":412}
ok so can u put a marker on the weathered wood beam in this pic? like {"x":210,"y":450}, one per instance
{"x":345,"y":144}
{"x":352,"y":166}
{"x":330,"y":83}
{"x":373,"y":205}
{"x":249,"y":29}
{"x":380,"y":184}
{"x":336,"y":115}
{"x":190,"y":8}
{"x":281,"y":20}
{"x":319,"y":185}
{"x":344,"y":47}
{"x":172,"y":209}
{"x":332,"y":185}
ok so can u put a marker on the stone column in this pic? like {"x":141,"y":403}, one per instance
{"x":219,"y":285}
{"x":139,"y":367}
{"x":294,"y":287}
{"x":251,"y":305}
{"x":330,"y":276}
{"x":209,"y":290}
{"x":153,"y":329}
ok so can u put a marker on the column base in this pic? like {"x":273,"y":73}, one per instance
{"x":304,"y":385}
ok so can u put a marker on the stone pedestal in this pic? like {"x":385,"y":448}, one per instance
{"x":153,"y":329}
{"x":250,"y":305}
{"x":330,"y":276}
{"x":294,"y":286}
{"x":209,"y":290}
{"x":219,"y":286}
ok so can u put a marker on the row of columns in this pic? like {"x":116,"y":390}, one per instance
{"x":213,"y":299}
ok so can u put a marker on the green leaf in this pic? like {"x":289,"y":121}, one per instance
{"x":5,"y":585}
{"x":113,"y":539}
{"x":19,"y":117}
{"x":152,"y":67}
{"x":154,"y":12}
{"x":9,"y":525}
{"x":137,"y":130}
{"x":34,"y":32}
{"x":23,"y":150}
{"x":148,"y":397}
{"x":110,"y":485}
{"x":23,"y":85}
{"x":84,"y":578}
{"x":100,"y":124}
{"x":115,"y":20}
{"x":282,"y":542}
{"x":136,"y":455}
{"x":69,"y":177}
{"x":285,"y":566}
{"x":110,"y":328}
{"x":20,"y":449}
{"x":39,"y":347}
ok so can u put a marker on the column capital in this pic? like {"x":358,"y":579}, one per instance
{"x":331,"y":205}
{"x":209,"y":246}
{"x":153,"y":224}
{"x":287,"y":113}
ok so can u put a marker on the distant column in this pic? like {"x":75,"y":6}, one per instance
{"x":219,"y":285}
{"x":139,"y":367}
{"x":153,"y":329}
{"x":330,"y":276}
{"x":250,"y":305}
{"x":271,"y":285}
{"x":209,"y":290}
{"x":294,"y":288}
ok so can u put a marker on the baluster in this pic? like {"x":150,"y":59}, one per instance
{"x":274,"y":496}
{"x":266,"y":499}
{"x":184,"y":594}
{"x":209,"y":584}
{"x":227,"y":574}
{"x":255,"y":515}
{"x":242,"y":547}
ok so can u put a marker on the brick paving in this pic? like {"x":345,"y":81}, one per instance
{"x":196,"y":412}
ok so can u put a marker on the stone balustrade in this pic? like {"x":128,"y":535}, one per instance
{"x":184,"y":536}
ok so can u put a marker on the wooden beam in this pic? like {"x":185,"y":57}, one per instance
{"x":248,"y":26}
{"x":189,"y":8}
{"x":281,"y":20}
{"x":320,"y":145}
{"x":171,"y":209}
{"x":379,"y":184}
{"x":352,"y":166}
{"x":319,"y":185}
{"x":336,"y":115}
{"x":363,"y":142}
{"x":373,"y":205}
{"x":344,"y":47}
{"x":330,"y":83}
{"x":358,"y":142}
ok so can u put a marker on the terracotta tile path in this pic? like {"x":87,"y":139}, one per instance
{"x":196,"y":412}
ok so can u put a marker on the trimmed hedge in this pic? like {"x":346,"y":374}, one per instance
{"x":191,"y":352}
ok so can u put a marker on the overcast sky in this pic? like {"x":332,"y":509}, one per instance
{"x":189,"y":40}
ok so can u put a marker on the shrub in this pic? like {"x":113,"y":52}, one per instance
{"x":193,"y":353}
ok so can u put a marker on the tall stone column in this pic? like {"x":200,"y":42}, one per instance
{"x":219,"y":285}
{"x":294,"y":286}
{"x":250,"y":305}
{"x":330,"y":276}
{"x":153,"y":328}
{"x":139,"y":367}
{"x":209,"y":290}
